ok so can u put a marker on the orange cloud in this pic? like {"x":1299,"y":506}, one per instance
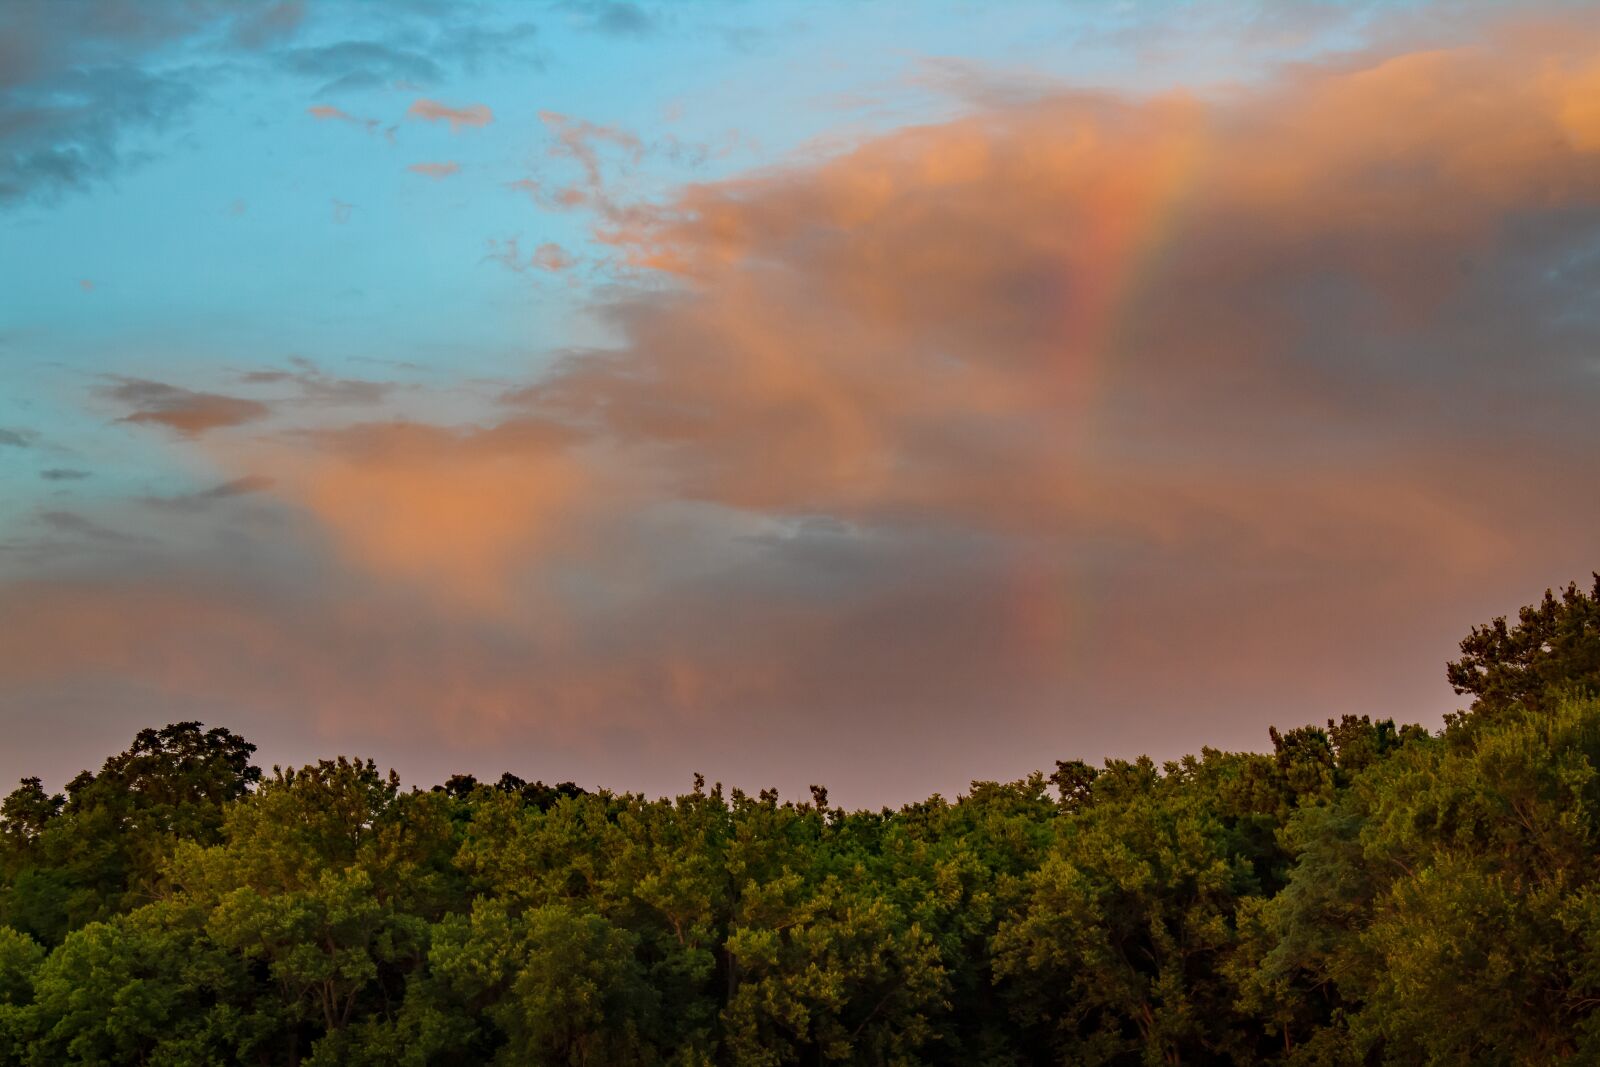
{"x":436,"y":171}
{"x":457,"y":117}
{"x":329,"y":113}
{"x":549,"y":256}
{"x":577,"y":140}
{"x":459,"y":509}
{"x":1072,"y":314}
{"x":188,"y":412}
{"x":552,"y":257}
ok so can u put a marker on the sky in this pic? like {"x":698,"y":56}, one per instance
{"x":877,"y":395}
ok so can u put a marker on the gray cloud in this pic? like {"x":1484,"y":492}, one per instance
{"x":421,"y":49}
{"x":615,"y":18}
{"x":79,"y":79}
{"x":64,"y":474}
{"x":318,"y":387}
{"x":66,"y":132}
{"x":185,"y":411}
{"x":360,"y":65}
{"x":86,"y":529}
{"x":204,"y":498}
{"x":262,"y":26}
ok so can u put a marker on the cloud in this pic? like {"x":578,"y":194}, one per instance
{"x":65,"y":131}
{"x":457,"y":117}
{"x":606,"y":153}
{"x":268,"y":24}
{"x":317,"y":387}
{"x":64,"y":474}
{"x":412,"y":47}
{"x":81,"y":83}
{"x":361,"y":64}
{"x":76,"y":80}
{"x":15,"y":438}
{"x":548,"y":256}
{"x":204,"y":498}
{"x":329,"y":113}
{"x":83,"y":528}
{"x":436,"y":171}
{"x":566,"y":198}
{"x":452,"y":508}
{"x":1078,"y":322}
{"x":184,"y":411}
{"x":617,"y":18}
{"x":579,"y":140}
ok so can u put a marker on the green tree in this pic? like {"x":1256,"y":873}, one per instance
{"x":99,"y":850}
{"x":20,"y":958}
{"x":836,"y":974}
{"x":324,"y":886}
{"x":1116,"y":952}
{"x":1553,"y":645}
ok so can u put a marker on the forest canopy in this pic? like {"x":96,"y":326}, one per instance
{"x":1363,"y":893}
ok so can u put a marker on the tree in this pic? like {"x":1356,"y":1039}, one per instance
{"x":324,"y":885}
{"x":145,"y":987}
{"x":1116,"y":951}
{"x":20,"y":958}
{"x":1554,"y":644}
{"x":99,"y":851}
{"x":836,"y":974}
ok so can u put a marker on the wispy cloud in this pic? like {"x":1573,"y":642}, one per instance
{"x":619,"y":18}
{"x":361,"y":64}
{"x":184,"y":411}
{"x":204,"y":498}
{"x":315,"y":386}
{"x":329,"y":113}
{"x":472,"y":115}
{"x":548,"y":256}
{"x":75,"y":525}
{"x":91,"y":87}
{"x":436,"y":171}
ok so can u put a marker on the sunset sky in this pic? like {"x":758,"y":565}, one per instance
{"x":883,"y":395}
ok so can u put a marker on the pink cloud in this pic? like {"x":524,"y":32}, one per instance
{"x":552,"y":257}
{"x":329,"y":113}
{"x":548,"y":256}
{"x":185,"y":411}
{"x":457,"y":117}
{"x":436,"y":171}
{"x":873,"y":337}
{"x":580,"y":140}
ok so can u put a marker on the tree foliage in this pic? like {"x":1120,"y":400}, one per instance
{"x":1361,"y":894}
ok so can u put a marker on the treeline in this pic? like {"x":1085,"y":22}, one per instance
{"x":1362,"y":894}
